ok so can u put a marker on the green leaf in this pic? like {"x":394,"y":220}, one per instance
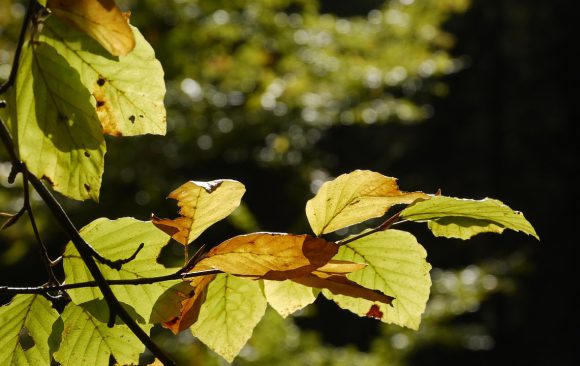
{"x":233,"y":307}
{"x":127,"y":91}
{"x":26,"y":324}
{"x":55,"y":124}
{"x":396,"y":266}
{"x":201,"y":204}
{"x":87,"y":340}
{"x":353,"y":198}
{"x":462,"y":218}
{"x":118,"y":239}
{"x":287,"y":297}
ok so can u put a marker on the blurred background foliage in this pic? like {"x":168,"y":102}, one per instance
{"x":474,"y":97}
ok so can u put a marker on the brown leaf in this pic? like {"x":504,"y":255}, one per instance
{"x":191,"y":305}
{"x":272,"y":256}
{"x":101,"y":19}
{"x":340,"y":285}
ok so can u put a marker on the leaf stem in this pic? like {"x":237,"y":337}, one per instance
{"x":382,"y":227}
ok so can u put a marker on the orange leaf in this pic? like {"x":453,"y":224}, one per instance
{"x":100,"y":19}
{"x":191,"y":305}
{"x":340,"y":285}
{"x":271,"y":256}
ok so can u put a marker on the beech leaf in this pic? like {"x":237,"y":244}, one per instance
{"x":355,"y":197}
{"x":191,"y":303}
{"x":463,"y":218}
{"x":30,"y":316}
{"x":118,"y":239}
{"x":227,"y":319}
{"x":272,"y":256}
{"x":396,"y":266}
{"x":101,"y":19}
{"x":201,"y":204}
{"x":88,"y":341}
{"x":287,"y":297}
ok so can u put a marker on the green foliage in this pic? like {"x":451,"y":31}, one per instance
{"x":87,"y":340}
{"x":70,"y":92}
{"x":462,"y":218}
{"x":228,"y":317}
{"x":118,"y":239}
{"x":26,"y":328}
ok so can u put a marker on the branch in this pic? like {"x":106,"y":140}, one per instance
{"x":382,"y":227}
{"x":133,"y":281}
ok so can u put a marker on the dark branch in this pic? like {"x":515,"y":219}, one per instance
{"x":133,"y":281}
{"x":117,"y":264}
{"x":193,"y":261}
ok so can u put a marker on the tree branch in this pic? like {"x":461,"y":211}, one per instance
{"x":133,"y":281}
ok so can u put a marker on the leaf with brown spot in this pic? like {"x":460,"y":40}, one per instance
{"x":190,"y":305}
{"x":100,"y":19}
{"x":353,"y":198}
{"x":273,"y":256}
{"x":201,"y":204}
{"x":375,"y":312}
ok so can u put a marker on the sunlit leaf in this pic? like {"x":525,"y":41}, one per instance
{"x":127,"y":92}
{"x":25,"y":327}
{"x":233,"y":307}
{"x":87,"y":340}
{"x":353,"y":198}
{"x":396,"y":266}
{"x":201,"y":204}
{"x":101,"y":19}
{"x":55,"y":125}
{"x":118,"y":239}
{"x":287,"y":297}
{"x":271,"y":256}
{"x":462,"y":218}
{"x":190,"y":304}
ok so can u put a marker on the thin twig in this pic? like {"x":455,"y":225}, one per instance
{"x":382,"y":227}
{"x":116,"y":264}
{"x":12,"y":219}
{"x":52,"y":280}
{"x":132,"y":281}
{"x":26,"y":22}
{"x":193,"y":261}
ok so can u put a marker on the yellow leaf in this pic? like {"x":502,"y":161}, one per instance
{"x":101,"y":19}
{"x":353,"y":198}
{"x":201,"y":204}
{"x":272,"y":256}
{"x":190,"y":305}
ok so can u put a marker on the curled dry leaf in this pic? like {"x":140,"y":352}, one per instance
{"x":101,"y":19}
{"x":355,"y":197}
{"x":190,"y":305}
{"x":275,"y":256}
{"x":338,"y":284}
{"x":201,"y":204}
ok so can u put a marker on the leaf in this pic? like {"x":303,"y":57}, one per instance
{"x":26,"y":324}
{"x":271,"y":256}
{"x":86,"y":339}
{"x":233,"y":308}
{"x":201,"y":204}
{"x":287,"y":297}
{"x":340,"y":285}
{"x":55,"y":125}
{"x":396,"y":266}
{"x":462,"y":218}
{"x":118,"y":239}
{"x":101,"y":19}
{"x":353,"y":198}
{"x":190,"y":304}
{"x":127,"y":92}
